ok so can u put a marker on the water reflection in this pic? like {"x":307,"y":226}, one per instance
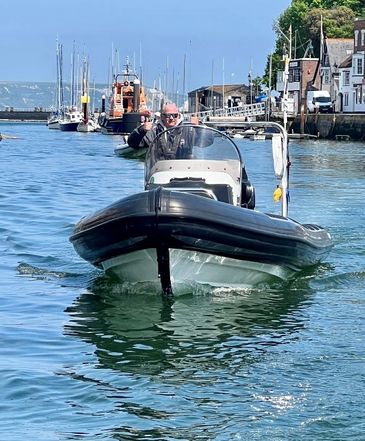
{"x":145,"y":333}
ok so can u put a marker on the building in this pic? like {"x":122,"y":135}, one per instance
{"x":218,"y":97}
{"x":316,"y":73}
{"x":303,"y":76}
{"x":335,"y":52}
{"x":352,"y":74}
{"x":345,"y":101}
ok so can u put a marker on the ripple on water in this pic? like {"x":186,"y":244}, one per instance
{"x":84,"y":357}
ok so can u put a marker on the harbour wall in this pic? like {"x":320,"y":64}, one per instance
{"x":323,"y":125}
{"x":24,"y":115}
{"x":330,"y":125}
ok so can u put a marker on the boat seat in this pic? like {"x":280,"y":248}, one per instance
{"x":219,"y":192}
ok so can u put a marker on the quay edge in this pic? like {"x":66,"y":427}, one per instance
{"x":349,"y":126}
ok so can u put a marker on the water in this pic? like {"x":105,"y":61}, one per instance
{"x":86,"y":358}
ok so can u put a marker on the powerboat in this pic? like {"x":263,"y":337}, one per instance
{"x":125,"y":151}
{"x":196,"y":221}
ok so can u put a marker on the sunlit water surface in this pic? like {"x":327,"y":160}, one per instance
{"x":86,"y":358}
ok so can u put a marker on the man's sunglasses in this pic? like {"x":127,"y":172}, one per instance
{"x":170,"y":115}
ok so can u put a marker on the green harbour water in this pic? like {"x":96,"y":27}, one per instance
{"x":83,"y":357}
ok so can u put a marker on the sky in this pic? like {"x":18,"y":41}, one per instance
{"x":186,"y":44}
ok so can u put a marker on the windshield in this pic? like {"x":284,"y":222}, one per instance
{"x":193,"y":142}
{"x":322,"y":99}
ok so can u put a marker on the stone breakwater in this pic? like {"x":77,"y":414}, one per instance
{"x":24,"y":115}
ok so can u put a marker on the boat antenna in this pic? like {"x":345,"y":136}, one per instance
{"x":184,"y":82}
{"x":140,"y":62}
{"x":285,"y":178}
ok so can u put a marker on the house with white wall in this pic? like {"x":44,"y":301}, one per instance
{"x":316,"y":74}
{"x":335,"y":51}
{"x":352,"y":74}
{"x":345,"y":98}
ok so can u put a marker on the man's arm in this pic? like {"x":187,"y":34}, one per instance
{"x":135,"y":138}
{"x":138,"y":139}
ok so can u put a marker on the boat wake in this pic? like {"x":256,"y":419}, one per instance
{"x":341,"y":281}
{"x":27,"y":270}
{"x":107,"y":285}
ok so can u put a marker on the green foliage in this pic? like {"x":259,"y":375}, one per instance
{"x":302,"y":22}
{"x":337,"y":23}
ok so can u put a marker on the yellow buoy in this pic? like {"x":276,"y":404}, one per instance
{"x":277,"y":194}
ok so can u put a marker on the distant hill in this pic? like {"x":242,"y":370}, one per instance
{"x":28,"y":96}
{"x":41,"y":96}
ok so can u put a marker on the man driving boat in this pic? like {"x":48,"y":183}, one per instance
{"x":143,"y":136}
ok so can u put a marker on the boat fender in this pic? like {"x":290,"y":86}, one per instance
{"x":102,"y":119}
{"x":247,"y":195}
{"x":277,"y":195}
{"x":277,"y":153}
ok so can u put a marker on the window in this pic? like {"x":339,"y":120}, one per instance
{"x":346,"y":78}
{"x":346,"y":99}
{"x":358,"y":95}
{"x":362,"y":37}
{"x":296,"y":75}
{"x":359,"y":66}
{"x":326,"y":76}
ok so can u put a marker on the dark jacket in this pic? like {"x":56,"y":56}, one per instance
{"x":177,"y":143}
{"x":140,"y":139}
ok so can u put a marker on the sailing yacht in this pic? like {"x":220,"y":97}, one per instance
{"x":53,"y":120}
{"x":72,"y":115}
{"x":88,"y":123}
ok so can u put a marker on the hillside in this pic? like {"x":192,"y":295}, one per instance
{"x":28,"y":96}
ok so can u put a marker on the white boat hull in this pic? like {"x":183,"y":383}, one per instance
{"x":53,"y":124}
{"x":88,"y":127}
{"x":194,"y":267}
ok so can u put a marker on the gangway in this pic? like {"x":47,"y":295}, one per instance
{"x":246,"y":110}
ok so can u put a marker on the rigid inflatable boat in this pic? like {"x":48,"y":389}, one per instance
{"x":196,"y":219}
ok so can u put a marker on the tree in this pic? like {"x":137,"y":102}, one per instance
{"x":337,"y":23}
{"x":304,"y":18}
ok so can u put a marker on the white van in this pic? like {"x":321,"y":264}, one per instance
{"x":319,"y":101}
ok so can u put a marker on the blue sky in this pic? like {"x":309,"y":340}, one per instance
{"x":219,"y":41}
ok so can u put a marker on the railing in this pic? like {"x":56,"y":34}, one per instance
{"x":246,"y":110}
